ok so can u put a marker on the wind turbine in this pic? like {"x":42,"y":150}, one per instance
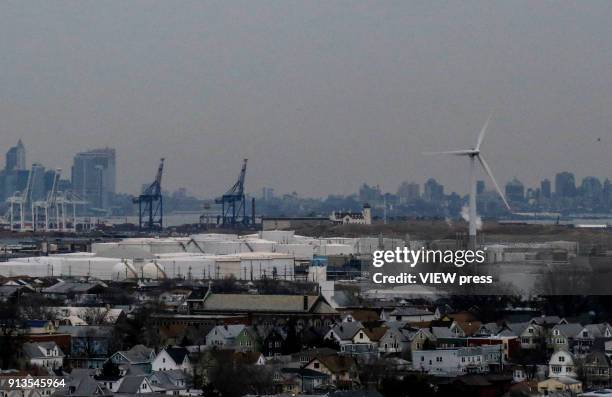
{"x":474,"y":154}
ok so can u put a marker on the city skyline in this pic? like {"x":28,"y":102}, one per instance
{"x":66,"y":174}
{"x":292,"y":87}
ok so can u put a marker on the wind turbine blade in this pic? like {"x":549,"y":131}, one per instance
{"x":453,"y":152}
{"x":488,"y":171}
{"x":482,"y":134}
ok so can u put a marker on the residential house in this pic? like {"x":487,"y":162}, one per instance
{"x":249,"y":358}
{"x":465,"y":328}
{"x":38,"y":327}
{"x":446,"y":338}
{"x":597,"y":370}
{"x":409,"y":315}
{"x":361,"y":315}
{"x":342,"y":370}
{"x":343,"y":333}
{"x":224,"y":335}
{"x":274,"y":343}
{"x":76,"y":293}
{"x":172,"y":358}
{"x":422,"y":339}
{"x":44,"y":354}
{"x":563,"y":336}
{"x":561,"y":363}
{"x":457,"y":361}
{"x":138,"y":356}
{"x":531,"y":335}
{"x":395,"y":340}
{"x":174,"y":382}
{"x":488,"y":329}
{"x":134,"y":384}
{"x":247,"y":340}
{"x":560,"y":384}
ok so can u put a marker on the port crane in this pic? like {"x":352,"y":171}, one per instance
{"x":43,"y":209}
{"x":150,"y":204}
{"x":233,"y":203}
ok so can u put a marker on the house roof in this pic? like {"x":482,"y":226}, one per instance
{"x":337,"y":363}
{"x":597,"y":330}
{"x":39,"y":349}
{"x":83,"y":384}
{"x":177,"y":353}
{"x":138,"y":354}
{"x":89,"y":331}
{"x":462,"y":316}
{"x":514,"y":329}
{"x":546,"y":320}
{"x":442,"y":332}
{"x":355,"y":393}
{"x":468,"y":327}
{"x":410,"y":311}
{"x":364,"y":315}
{"x":266,"y":303}
{"x":376,"y":333}
{"x":346,"y":331}
{"x":247,"y":357}
{"x":131,"y":384}
{"x":8,"y":291}
{"x":67,"y":287}
{"x":228,"y":331}
{"x":569,"y":330}
{"x":597,"y":358}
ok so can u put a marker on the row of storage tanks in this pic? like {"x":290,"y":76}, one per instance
{"x":268,"y":254}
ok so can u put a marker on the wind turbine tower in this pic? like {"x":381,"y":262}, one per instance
{"x":475,"y":154}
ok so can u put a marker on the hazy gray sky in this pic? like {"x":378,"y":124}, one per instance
{"x":319,"y":95}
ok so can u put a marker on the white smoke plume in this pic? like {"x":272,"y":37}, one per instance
{"x":465,"y":214}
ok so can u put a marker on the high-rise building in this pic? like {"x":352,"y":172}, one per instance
{"x":16,"y":158}
{"x":94,"y":176}
{"x":433,"y":191}
{"x":515,"y":191}
{"x":408,"y":192}
{"x":480,"y":187}
{"x":591,"y":188}
{"x":267,"y":193}
{"x":37,"y":183}
{"x":370,"y":194}
{"x":545,"y":189}
{"x":565,"y":184}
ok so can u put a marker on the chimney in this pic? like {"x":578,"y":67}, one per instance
{"x":305,"y":302}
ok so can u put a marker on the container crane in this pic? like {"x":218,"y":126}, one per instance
{"x":233,"y":203}
{"x":48,"y":206}
{"x":150,"y":204}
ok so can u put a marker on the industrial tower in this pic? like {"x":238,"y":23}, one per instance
{"x":150,"y":204}
{"x":233,"y":203}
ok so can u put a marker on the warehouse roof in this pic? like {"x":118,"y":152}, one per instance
{"x":265,"y":303}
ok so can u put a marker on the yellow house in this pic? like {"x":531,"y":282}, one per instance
{"x":562,"y":383}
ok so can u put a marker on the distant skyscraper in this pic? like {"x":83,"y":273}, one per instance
{"x":545,"y":189}
{"x":591,"y":188}
{"x":515,"y":191}
{"x":37,"y":182}
{"x":369,"y":194}
{"x":408,"y":192}
{"x":480,"y":187}
{"x":267,"y":193}
{"x":16,"y":158}
{"x":94,"y":176}
{"x":434,"y":192}
{"x":565,"y":184}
